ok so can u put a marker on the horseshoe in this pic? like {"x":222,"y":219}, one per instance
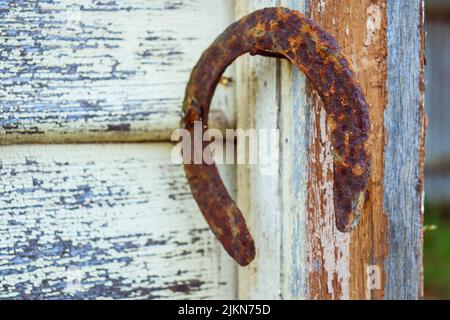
{"x":281,"y":33}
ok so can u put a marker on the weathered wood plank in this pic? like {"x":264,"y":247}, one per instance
{"x":359,"y":27}
{"x":301,"y":254}
{"x":293,"y":123}
{"x":404,"y":155}
{"x":257,"y":107}
{"x":275,"y":205}
{"x":105,"y":221}
{"x":104,"y":71}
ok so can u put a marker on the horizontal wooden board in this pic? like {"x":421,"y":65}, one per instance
{"x":104,"y":70}
{"x":105,"y":221}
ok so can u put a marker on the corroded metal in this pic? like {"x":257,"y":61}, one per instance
{"x":280,"y":32}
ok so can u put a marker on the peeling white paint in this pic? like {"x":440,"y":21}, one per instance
{"x":335,"y":257}
{"x":373,"y":23}
{"x":74,"y":71}
{"x":321,"y":6}
{"x":105,"y":221}
{"x":275,"y":206}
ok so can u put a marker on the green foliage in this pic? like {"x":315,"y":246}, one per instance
{"x":437,"y":252}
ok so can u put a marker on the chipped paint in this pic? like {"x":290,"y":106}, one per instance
{"x":72,"y":70}
{"x":373,"y":23}
{"x":328,"y":250}
{"x":321,"y":5}
{"x":105,"y":221}
{"x":367,"y":245}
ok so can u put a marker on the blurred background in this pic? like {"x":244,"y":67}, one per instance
{"x":437,"y":163}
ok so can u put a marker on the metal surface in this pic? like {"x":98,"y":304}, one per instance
{"x":280,"y":32}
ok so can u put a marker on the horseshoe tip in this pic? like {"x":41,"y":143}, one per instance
{"x":349,"y":221}
{"x":347,"y":227}
{"x":246,"y":253}
{"x":244,"y":260}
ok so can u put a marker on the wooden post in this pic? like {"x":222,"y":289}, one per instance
{"x":300,"y":254}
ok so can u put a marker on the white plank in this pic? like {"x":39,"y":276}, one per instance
{"x":294,"y":124}
{"x":275,"y":204}
{"x":104,"y":71}
{"x":105,"y":221}
{"x":256,"y":193}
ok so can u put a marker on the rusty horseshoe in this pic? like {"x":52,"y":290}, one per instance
{"x":282,"y":33}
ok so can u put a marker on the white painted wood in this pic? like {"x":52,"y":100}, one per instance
{"x":275,"y":205}
{"x":293,"y":126}
{"x":104,"y":70}
{"x":105,"y":221}
{"x":257,"y":107}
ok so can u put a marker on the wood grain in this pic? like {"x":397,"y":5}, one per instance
{"x":105,"y":221}
{"x":275,"y":205}
{"x":89,"y":70}
{"x":257,"y":107}
{"x":118,"y":221}
{"x":359,"y":28}
{"x":405,"y":149}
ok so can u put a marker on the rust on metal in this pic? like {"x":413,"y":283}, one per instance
{"x":282,"y":33}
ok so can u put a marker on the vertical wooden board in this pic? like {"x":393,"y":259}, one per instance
{"x":104,"y":71}
{"x":345,"y":259}
{"x":257,"y":107}
{"x":293,"y":125}
{"x":105,"y":221}
{"x":275,"y":204}
{"x":382,"y":257}
{"x":292,"y":192}
{"x":404,"y":156}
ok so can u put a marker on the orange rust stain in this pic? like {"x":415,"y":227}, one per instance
{"x":357,"y":170}
{"x":368,"y":243}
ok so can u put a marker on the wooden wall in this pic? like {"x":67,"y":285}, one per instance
{"x":104,"y":221}
{"x":84,"y":71}
{"x":118,"y":221}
